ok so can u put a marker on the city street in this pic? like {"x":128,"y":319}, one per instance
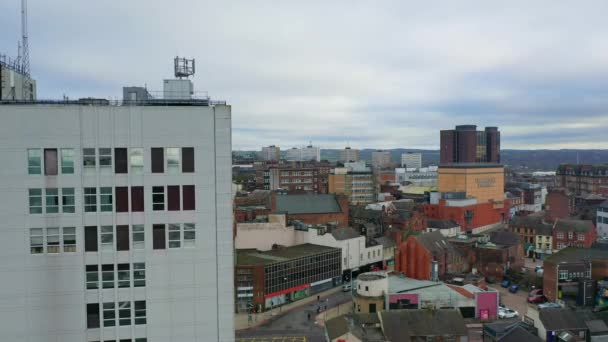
{"x":293,"y":323}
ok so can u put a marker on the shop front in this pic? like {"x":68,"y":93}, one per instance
{"x":287,"y":296}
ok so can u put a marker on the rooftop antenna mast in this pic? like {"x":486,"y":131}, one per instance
{"x":25,"y":51}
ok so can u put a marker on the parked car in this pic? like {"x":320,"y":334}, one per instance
{"x":514,"y":288}
{"x":537,"y":299}
{"x":347,"y":287}
{"x":548,"y":305}
{"x":539,"y":271}
{"x":505,"y":283}
{"x":507,"y":313}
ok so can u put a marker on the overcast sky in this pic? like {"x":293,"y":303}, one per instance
{"x":371,"y":73}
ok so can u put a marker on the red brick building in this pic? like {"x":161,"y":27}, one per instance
{"x":559,"y":204}
{"x":572,"y":232}
{"x":312,"y":208}
{"x":414,"y":256}
{"x":471,"y":216}
{"x":295,"y":177}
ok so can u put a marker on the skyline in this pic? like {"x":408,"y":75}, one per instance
{"x":329,"y":72}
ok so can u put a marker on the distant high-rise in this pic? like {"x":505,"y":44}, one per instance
{"x":466,"y":144}
{"x":307,"y":153}
{"x":349,"y":155}
{"x":381,"y":159}
{"x":411,"y":160}
{"x":271,"y":153}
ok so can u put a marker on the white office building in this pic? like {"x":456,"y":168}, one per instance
{"x":349,"y":155}
{"x":116,"y":221}
{"x":381,"y":159}
{"x":308,"y":153}
{"x":411,"y":160}
{"x":271,"y":153}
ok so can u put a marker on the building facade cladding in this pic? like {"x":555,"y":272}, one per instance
{"x":15,"y":85}
{"x":349,"y":155}
{"x":271,"y":153}
{"x":470,"y":217}
{"x":411,"y":160}
{"x":466,"y":144}
{"x":85,"y":201}
{"x":581,"y":179}
{"x":485,"y":183}
{"x":359,"y":187}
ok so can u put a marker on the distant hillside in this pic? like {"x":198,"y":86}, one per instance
{"x":542,"y":160}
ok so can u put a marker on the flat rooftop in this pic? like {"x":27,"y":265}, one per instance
{"x":202,"y":101}
{"x":252,"y":257}
{"x":576,"y":254}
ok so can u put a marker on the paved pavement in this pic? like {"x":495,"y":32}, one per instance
{"x":274,"y":339}
{"x":292,"y":321}
{"x":514,"y":301}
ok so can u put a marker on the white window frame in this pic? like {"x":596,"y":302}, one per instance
{"x":68,"y":167}
{"x":110,"y":309}
{"x":107,"y":234}
{"x":156,"y":203}
{"x":174,"y":236}
{"x":36,"y":234}
{"x":125,"y":282}
{"x":139,"y":274}
{"x":31,"y":154}
{"x":51,"y":194}
{"x":563,"y":274}
{"x":105,"y":157}
{"x":68,"y":193}
{"x":580,"y":236}
{"x":570,"y":235}
{"x":34,"y":194}
{"x":138,"y":236}
{"x":92,"y":278}
{"x":136,"y":160}
{"x":173,"y":159}
{"x":69,"y":239}
{"x":189,"y":235}
{"x":104,"y":193}
{"x":90,"y":199}
{"x":89,"y":158}
{"x":124,"y":313}
{"x":53,"y":240}
{"x":139,"y":315}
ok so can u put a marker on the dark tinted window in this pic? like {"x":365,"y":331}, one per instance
{"x":92,"y":316}
{"x":173,"y":200}
{"x":188,"y":197}
{"x":90,"y":239}
{"x":122,"y":238}
{"x":50,"y":161}
{"x":158,"y":160}
{"x":188,"y":159}
{"x":121,"y":164}
{"x":158,"y":236}
{"x":122,"y":199}
{"x":137,"y":198}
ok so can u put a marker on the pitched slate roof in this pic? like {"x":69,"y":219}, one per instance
{"x":385,"y":241}
{"x":307,"y":204}
{"x":575,"y":254}
{"x":556,"y":319}
{"x":505,"y":238}
{"x":435,"y":243}
{"x":535,"y":222}
{"x":402,"y":325}
{"x":570,"y":225}
{"x":604,"y":204}
{"x":519,"y":334}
